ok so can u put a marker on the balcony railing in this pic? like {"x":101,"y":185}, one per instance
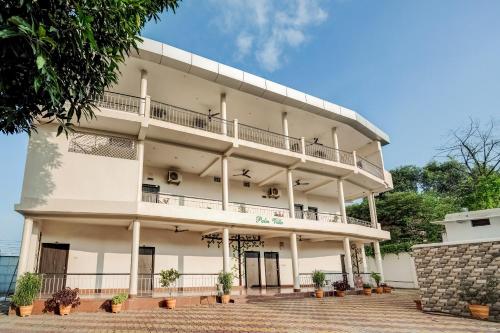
{"x":184,"y":117}
{"x":328,"y":153}
{"x":268,"y":138}
{"x":194,"y":202}
{"x":121,"y":102}
{"x":369,"y":167}
{"x":332,"y":277}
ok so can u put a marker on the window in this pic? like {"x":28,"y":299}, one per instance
{"x":103,"y":145}
{"x":480,"y":222}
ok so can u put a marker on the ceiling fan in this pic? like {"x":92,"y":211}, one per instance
{"x":300,"y":182}
{"x":178,"y":230}
{"x":315,"y":142}
{"x":244,"y":173}
{"x":210,"y":114}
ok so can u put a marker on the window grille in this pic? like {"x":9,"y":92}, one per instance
{"x":103,"y":145}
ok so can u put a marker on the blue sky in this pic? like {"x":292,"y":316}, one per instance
{"x":416,"y":69}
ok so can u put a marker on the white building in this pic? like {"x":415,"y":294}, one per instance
{"x":198,"y":166}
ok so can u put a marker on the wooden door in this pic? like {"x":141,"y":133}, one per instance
{"x":271,"y":261}
{"x":53,"y":266}
{"x":146,"y":269}
{"x":252,"y":269}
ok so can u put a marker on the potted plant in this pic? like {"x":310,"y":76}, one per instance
{"x":117,"y":301}
{"x":167,"y":278}
{"x":367,"y":289}
{"x":340,"y":287}
{"x":28,"y":287}
{"x":386,"y":288}
{"x":64,"y":300}
{"x":318,"y":278}
{"x":479,"y":298}
{"x":377,"y":278}
{"x":226,"y":280}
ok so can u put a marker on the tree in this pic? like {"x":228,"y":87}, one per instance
{"x":448,"y":178}
{"x":485,"y":194}
{"x":406,"y":178}
{"x":57,"y":56}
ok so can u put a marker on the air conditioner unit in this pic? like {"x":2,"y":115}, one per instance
{"x":273,"y":192}
{"x":174,"y":177}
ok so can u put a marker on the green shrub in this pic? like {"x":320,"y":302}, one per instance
{"x":119,"y":299}
{"x":376,"y":277}
{"x":367,"y":285}
{"x":226,"y":280}
{"x":168,"y":277}
{"x":318,"y":278}
{"x":27,"y":288}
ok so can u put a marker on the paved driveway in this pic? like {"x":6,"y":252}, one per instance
{"x":375,"y":314}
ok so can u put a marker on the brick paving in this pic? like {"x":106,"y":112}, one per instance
{"x":353,"y":314}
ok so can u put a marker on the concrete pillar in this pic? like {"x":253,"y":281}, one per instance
{"x":226,"y":259}
{"x":335,"y":142}
{"x":140,"y":157}
{"x":225,"y":183}
{"x":295,"y":262}
{"x":22,"y":266}
{"x":363,"y":258}
{"x":223,"y":112}
{"x":134,"y":258}
{"x":284,"y":119}
{"x":378,"y":259}
{"x":143,"y":92}
{"x":373,"y":210}
{"x":291,"y":201}
{"x":348,"y":262}
{"x":340,"y":188}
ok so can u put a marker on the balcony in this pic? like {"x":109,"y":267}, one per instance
{"x":265,"y":211}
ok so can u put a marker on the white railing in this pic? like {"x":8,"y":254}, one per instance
{"x":332,"y":277}
{"x":271,"y":139}
{"x":185,"y":117}
{"x":329,"y":153}
{"x":178,"y":200}
{"x":258,"y":210}
{"x":121,"y":102}
{"x":317,"y":216}
{"x":187,"y":284}
{"x":353,"y":220}
{"x":370,"y":167}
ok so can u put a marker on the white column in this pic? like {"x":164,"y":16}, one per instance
{"x":140,"y":157}
{"x":223,"y":112}
{"x":25,"y":246}
{"x":378,"y":259}
{"x":295,"y":262}
{"x":373,"y":210}
{"x":363,"y":258}
{"x":335,"y":141}
{"x":134,"y":257}
{"x":291,"y":201}
{"x":348,"y":262}
{"x":226,"y":262}
{"x":284,"y":119}
{"x":143,"y":92}
{"x":340,"y":188}
{"x":225,"y":183}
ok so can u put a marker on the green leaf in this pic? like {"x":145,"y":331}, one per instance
{"x":40,"y":61}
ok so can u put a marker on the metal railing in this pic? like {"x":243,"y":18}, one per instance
{"x":369,"y":167}
{"x":121,"y":102}
{"x":189,"y":118}
{"x":271,"y":139}
{"x":258,"y":210}
{"x":353,"y":220}
{"x":332,"y":277}
{"x":318,"y":216}
{"x":98,"y":284}
{"x":180,"y":200}
{"x":329,"y":153}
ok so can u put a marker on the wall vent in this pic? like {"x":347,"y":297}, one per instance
{"x":217,"y":179}
{"x":246,"y":184}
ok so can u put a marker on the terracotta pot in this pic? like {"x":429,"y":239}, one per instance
{"x":387,"y":290}
{"x":340,"y":293}
{"x":225,"y":299}
{"x":25,"y":310}
{"x":319,"y":293}
{"x":64,"y":310}
{"x":418,"y":304}
{"x":479,"y":311}
{"x":171,"y":303}
{"x":367,"y":291}
{"x":116,"y":308}
{"x":379,"y":290}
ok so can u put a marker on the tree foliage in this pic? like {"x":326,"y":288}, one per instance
{"x":57,"y":56}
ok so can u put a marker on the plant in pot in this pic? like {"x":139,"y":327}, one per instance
{"x":318,"y":278}
{"x":167,"y":278}
{"x":340,"y":287}
{"x":479,"y":298}
{"x":386,"y":288}
{"x":226,"y":280}
{"x":367,"y":289}
{"x":377,"y":278}
{"x":28,"y":287}
{"x":117,"y":301}
{"x":64,"y":300}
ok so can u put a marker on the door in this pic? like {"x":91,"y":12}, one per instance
{"x":271,"y":261}
{"x":299,"y":211}
{"x":53,"y":266}
{"x":312,"y":213}
{"x":252,"y":269}
{"x":146,"y":270}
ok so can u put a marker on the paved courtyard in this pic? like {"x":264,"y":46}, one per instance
{"x":363,"y":314}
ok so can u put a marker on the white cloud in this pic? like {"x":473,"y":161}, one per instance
{"x":267,"y":29}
